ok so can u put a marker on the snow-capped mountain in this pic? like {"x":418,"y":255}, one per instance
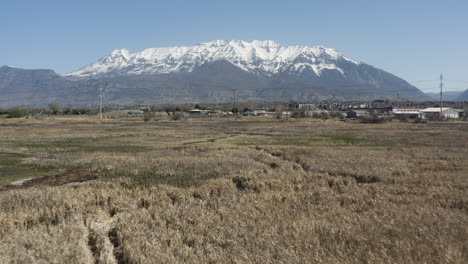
{"x":207,"y":73}
{"x":260,"y":57}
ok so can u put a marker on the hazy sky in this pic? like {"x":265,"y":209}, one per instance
{"x":413,"y":39}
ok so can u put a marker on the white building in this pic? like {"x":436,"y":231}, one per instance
{"x":434,"y":112}
{"x":196,"y":112}
{"x":407,"y":112}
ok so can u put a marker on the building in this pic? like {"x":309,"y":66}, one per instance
{"x":461,"y":113}
{"x":256,"y":112}
{"x":307,"y":106}
{"x":434,"y":113}
{"x":407,"y":112}
{"x":195,"y":112}
{"x":367,"y":111}
{"x":304,"y":106}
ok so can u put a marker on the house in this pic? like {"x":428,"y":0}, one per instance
{"x":407,"y":112}
{"x":195,"y":112}
{"x":434,"y":112}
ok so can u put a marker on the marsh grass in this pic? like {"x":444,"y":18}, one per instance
{"x":87,"y":144}
{"x":239,"y":191}
{"x":12,"y":168}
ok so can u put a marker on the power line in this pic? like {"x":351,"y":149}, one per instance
{"x":459,"y":81}
{"x":436,"y":80}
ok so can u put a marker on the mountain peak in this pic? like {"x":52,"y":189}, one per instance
{"x":258,"y":43}
{"x":121,"y":52}
{"x":262,"y":57}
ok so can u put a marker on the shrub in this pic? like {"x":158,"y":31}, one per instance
{"x":177,"y":116}
{"x":79,"y":111}
{"x":147,"y":116}
{"x":373,"y":118}
{"x":155,"y":108}
{"x":55,"y":109}
{"x":18,"y":112}
{"x":324,"y":115}
{"x":279,"y":115}
{"x":403,"y":118}
{"x":298,"y":113}
{"x":420,"y":120}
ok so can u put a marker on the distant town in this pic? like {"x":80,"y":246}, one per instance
{"x":377,"y":110}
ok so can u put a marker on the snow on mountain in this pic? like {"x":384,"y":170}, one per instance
{"x":260,"y":57}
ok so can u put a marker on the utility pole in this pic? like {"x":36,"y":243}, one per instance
{"x":100,"y":102}
{"x":441,"y":85}
{"x":398,"y":99}
{"x":463,"y":108}
{"x":233,"y":109}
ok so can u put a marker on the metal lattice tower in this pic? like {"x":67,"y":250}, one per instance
{"x":100,"y":102}
{"x":441,"y":85}
{"x":233,"y":109}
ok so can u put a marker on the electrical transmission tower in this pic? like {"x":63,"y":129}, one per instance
{"x":100,"y":101}
{"x":441,"y":85}
{"x":234,"y":108}
{"x":398,"y":99}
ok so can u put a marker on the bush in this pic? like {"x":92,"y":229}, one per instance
{"x":147,"y":116}
{"x":372,"y":119}
{"x":18,"y":112}
{"x":404,"y":119}
{"x":155,"y":108}
{"x":324,"y":115}
{"x":55,"y":109}
{"x":298,"y":113}
{"x":177,"y":116}
{"x":420,"y":120}
{"x":79,"y":111}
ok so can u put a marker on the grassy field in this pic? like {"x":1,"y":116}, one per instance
{"x":246,"y":190}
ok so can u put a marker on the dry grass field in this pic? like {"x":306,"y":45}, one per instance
{"x":246,"y":190}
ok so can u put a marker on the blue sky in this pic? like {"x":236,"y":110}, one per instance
{"x":415,"y":40}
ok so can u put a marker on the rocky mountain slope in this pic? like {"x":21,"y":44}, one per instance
{"x":463,"y":96}
{"x":208,"y":72}
{"x":447,"y":95}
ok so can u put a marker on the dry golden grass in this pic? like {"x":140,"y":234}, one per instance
{"x":239,"y":191}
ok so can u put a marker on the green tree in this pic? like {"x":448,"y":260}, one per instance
{"x":18,"y":112}
{"x":155,"y":108}
{"x":55,"y":109}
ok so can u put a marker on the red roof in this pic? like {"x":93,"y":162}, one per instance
{"x":411,"y":108}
